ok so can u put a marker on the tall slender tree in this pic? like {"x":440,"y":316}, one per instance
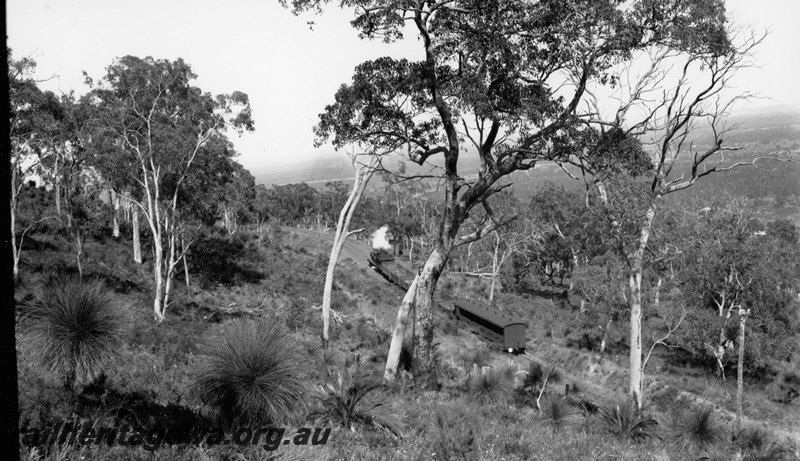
{"x":658,"y":113}
{"x":362,"y":175}
{"x":162,"y":122}
{"x":34,"y":127}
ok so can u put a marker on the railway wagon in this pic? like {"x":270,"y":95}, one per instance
{"x":494,"y":325}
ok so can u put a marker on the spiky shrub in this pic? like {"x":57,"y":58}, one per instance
{"x":534,"y":375}
{"x":697,"y":428}
{"x":772,"y":451}
{"x":556,"y":412}
{"x":75,"y":329}
{"x":342,"y":400}
{"x":624,"y":419}
{"x":751,"y":438}
{"x":252,"y":372}
{"x":757,"y":445}
{"x":490,"y":386}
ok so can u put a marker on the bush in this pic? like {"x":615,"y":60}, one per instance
{"x":295,"y":314}
{"x":751,"y":438}
{"x":624,"y":419}
{"x":757,"y":445}
{"x":490,"y":386}
{"x":342,"y":400}
{"x":534,"y":375}
{"x":556,"y":412}
{"x":697,"y":428}
{"x":76,"y":329}
{"x":474,"y":356}
{"x":252,"y":372}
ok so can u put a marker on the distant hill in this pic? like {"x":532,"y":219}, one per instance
{"x":760,"y":131}
{"x":773,"y":186}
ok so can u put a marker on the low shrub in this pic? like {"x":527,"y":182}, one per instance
{"x":556,"y":412}
{"x":624,"y":419}
{"x":252,"y":372}
{"x":751,"y":438}
{"x":75,"y":329}
{"x":490,"y":386}
{"x":474,"y":356}
{"x":534,"y":375}
{"x":697,"y":428}
{"x":756,"y":444}
{"x":342,"y":400}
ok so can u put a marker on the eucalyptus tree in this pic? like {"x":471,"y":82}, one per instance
{"x":503,"y":79}
{"x":34,"y":127}
{"x":363,"y":172}
{"x":655,"y":116}
{"x":161,"y":122}
{"x":744,"y":286}
{"x":75,"y":176}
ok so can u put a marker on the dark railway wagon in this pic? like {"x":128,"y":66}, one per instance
{"x":494,"y":325}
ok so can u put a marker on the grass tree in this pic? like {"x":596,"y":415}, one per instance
{"x":157,"y":118}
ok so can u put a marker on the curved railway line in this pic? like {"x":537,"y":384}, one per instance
{"x":484,"y":320}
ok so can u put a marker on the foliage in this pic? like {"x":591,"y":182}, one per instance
{"x":624,"y":419}
{"x":343,"y":400}
{"x":152,"y":124}
{"x":757,"y":445}
{"x":534,"y":375}
{"x":252,"y":372}
{"x":295,"y":315}
{"x":556,"y":412}
{"x":515,"y":274}
{"x":490,"y":386}
{"x":731,"y":266}
{"x":221,"y":259}
{"x":698,"y":428}
{"x":76,"y":329}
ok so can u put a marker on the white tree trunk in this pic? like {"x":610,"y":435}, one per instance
{"x":14,"y":250}
{"x":635,"y":388}
{"x":363,"y":174}
{"x":740,"y":368}
{"x":137,"y":243}
{"x":115,"y":219}
{"x":495,"y":265}
{"x":158,"y":256}
{"x":171,"y":263}
{"x":78,"y":253}
{"x":604,"y":341}
{"x":185,"y":267}
{"x":424,"y":364}
{"x":57,"y":182}
{"x":328,"y":288}
{"x":399,"y":332}
{"x":636,"y":267}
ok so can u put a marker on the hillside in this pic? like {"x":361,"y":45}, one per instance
{"x":280,"y":279}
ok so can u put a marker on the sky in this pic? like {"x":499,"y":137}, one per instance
{"x":289,"y":70}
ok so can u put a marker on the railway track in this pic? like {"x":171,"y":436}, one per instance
{"x":353,"y":249}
